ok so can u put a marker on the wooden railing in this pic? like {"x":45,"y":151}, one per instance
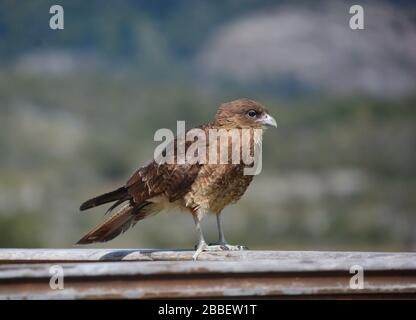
{"x":113,"y":273}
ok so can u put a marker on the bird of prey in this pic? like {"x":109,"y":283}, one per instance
{"x":197,"y":188}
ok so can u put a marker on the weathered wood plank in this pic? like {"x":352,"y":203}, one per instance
{"x":120,"y":273}
{"x":291,"y":259}
{"x":212,"y":286}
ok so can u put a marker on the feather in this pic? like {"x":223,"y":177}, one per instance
{"x":105,"y":198}
{"x":118,"y":223}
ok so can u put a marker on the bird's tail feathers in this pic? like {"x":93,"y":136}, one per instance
{"x":119,"y":222}
{"x":119,"y":195}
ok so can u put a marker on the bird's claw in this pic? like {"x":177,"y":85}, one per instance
{"x":225,"y":246}
{"x":216,"y":247}
{"x":233,"y":247}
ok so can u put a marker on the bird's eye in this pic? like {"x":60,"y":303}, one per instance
{"x":252,"y":113}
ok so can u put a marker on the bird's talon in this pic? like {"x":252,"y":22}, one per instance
{"x":225,"y":247}
{"x":234,"y":248}
{"x":216,"y":247}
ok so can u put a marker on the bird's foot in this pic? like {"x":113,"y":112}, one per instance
{"x":202,"y":246}
{"x":218,"y":246}
{"x":223,"y":246}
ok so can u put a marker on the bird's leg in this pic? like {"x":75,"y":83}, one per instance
{"x":221,"y":237}
{"x":201,"y":244}
{"x":222,"y":243}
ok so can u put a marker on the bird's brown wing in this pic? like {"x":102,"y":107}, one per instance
{"x":172,"y":180}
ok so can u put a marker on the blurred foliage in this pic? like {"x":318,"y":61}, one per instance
{"x":128,"y":29}
{"x":17,"y":229}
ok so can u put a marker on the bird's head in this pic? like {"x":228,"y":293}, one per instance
{"x":244,"y":113}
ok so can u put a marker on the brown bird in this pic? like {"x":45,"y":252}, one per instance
{"x":195,"y":187}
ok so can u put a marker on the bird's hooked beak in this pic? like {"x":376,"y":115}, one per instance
{"x":268,"y":120}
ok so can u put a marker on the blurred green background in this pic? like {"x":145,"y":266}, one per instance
{"x":79,"y":107}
